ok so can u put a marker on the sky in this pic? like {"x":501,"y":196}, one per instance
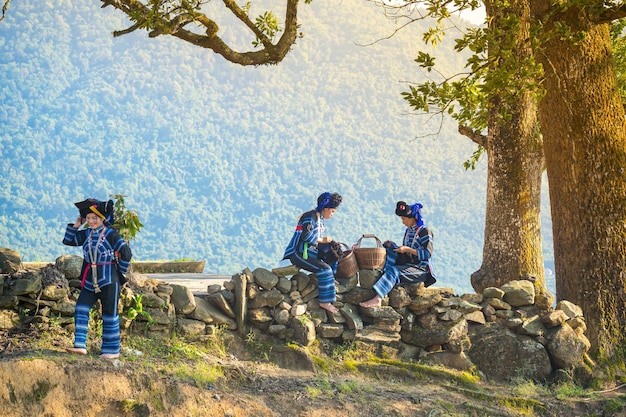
{"x":476,"y":17}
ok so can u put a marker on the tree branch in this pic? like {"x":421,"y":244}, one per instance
{"x":610,"y":15}
{"x":474,"y":136}
{"x":243,"y":17}
{"x":4,"y":9}
{"x":157,"y":24}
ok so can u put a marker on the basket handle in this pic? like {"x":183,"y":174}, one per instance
{"x":379,"y":244}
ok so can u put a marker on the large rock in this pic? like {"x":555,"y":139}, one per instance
{"x":353,"y":320}
{"x":208,"y":313}
{"x":304,"y":331}
{"x":264,"y":278}
{"x":519,"y":293}
{"x":70,"y":266}
{"x":219,"y":300}
{"x":10,"y":261}
{"x":269,"y":298}
{"x":428,"y":331}
{"x":501,"y":355}
{"x":183,"y":299}
{"x":566,"y":348}
{"x":25,"y":282}
{"x":190,"y":327}
{"x":240,"y":288}
{"x":570,"y":309}
{"x":8,"y":319}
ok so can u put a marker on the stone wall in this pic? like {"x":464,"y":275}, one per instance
{"x":504,"y":333}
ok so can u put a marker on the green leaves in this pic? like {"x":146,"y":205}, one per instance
{"x":127,"y":222}
{"x":498,"y":68}
{"x":425,"y":60}
{"x":267,"y":23}
{"x":471,"y":163}
{"x":136,"y":310}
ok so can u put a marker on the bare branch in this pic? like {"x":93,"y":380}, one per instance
{"x":5,"y":7}
{"x":392,"y":34}
{"x":117,"y":33}
{"x":412,"y":11}
{"x":476,"y":137}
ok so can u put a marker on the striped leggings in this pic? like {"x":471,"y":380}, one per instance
{"x":397,"y":274}
{"x":110,"y":318}
{"x":325,"y":274}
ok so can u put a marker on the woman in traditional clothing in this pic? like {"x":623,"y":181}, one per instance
{"x":302,"y":249}
{"x":106,"y":259}
{"x":409,"y":263}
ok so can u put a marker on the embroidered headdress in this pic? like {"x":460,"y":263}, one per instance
{"x":328,"y":200}
{"x":103,"y":209}
{"x":404,"y":210}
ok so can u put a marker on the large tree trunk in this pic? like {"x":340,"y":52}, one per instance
{"x":584,"y":134}
{"x":512,"y":246}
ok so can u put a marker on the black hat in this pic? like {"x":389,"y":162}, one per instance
{"x":328,"y":200}
{"x":403,"y":209}
{"x":335,"y":200}
{"x":104,"y":209}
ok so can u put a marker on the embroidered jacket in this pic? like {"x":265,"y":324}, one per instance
{"x":420,"y":239}
{"x":109,"y":252}
{"x":310,"y":229}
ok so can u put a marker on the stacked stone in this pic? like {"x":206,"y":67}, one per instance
{"x":504,"y":332}
{"x":509,"y":331}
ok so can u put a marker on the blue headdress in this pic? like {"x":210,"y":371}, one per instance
{"x":415,"y":211}
{"x":404,"y":210}
{"x":328,"y":200}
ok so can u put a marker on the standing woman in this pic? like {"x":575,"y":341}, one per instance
{"x":106,"y":259}
{"x":302,"y":249}
{"x":409,"y":263}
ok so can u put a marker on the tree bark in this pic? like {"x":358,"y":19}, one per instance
{"x":584,"y":134}
{"x":512,"y":247}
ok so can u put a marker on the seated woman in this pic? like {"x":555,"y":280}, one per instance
{"x":302,"y":249}
{"x":409,"y":263}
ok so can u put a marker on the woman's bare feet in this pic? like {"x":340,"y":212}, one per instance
{"x":110,"y":355}
{"x":77,"y":351}
{"x":329,"y":307}
{"x":374,"y":302}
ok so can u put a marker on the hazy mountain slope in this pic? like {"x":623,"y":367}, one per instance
{"x":219,"y":160}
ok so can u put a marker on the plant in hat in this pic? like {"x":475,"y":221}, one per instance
{"x":127,"y":222}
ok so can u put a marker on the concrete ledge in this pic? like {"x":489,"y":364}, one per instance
{"x":36,"y":264}
{"x":192,"y":267}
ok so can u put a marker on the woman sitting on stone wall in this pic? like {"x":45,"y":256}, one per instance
{"x":302,"y":249}
{"x":409,"y":263}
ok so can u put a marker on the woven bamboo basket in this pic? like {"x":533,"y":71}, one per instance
{"x":370,"y":258}
{"x":348,"y":265}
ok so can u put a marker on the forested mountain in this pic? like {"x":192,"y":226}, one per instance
{"x":219,"y":160}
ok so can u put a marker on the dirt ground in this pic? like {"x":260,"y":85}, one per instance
{"x":45,"y":381}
